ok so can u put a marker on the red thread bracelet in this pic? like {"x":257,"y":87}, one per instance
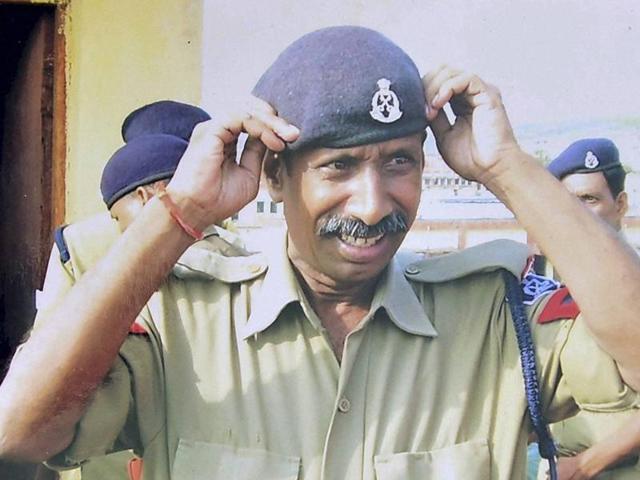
{"x":174,"y":211}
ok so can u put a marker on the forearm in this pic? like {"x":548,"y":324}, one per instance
{"x":611,"y":450}
{"x":576,"y":242}
{"x":68,"y":355}
{"x":66,"y":358}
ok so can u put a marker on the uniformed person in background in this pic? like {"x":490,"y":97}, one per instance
{"x":335,"y":363}
{"x":156,"y":136}
{"x":79,"y":245}
{"x":598,"y":442}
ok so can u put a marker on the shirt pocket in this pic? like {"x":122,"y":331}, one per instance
{"x":208,"y":461}
{"x":464,"y":461}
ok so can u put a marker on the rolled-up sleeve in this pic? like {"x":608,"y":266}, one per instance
{"x":575,"y":373}
{"x":126,"y":411}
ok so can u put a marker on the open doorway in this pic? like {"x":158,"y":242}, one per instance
{"x":31,"y":168}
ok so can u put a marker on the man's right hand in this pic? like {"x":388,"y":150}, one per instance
{"x":209,"y":181}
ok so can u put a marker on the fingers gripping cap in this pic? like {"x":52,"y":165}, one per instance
{"x":143,"y":160}
{"x":344,"y":87}
{"x":166,"y":117}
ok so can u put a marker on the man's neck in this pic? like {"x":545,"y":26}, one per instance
{"x":340,"y":312}
{"x":339,"y":306}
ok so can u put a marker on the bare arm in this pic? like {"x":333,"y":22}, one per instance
{"x":58,"y":369}
{"x":480,"y":145}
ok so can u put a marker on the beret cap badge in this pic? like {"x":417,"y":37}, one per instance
{"x":590,"y":160}
{"x":385,"y":105}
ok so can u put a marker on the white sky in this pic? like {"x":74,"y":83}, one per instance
{"x":554,"y":61}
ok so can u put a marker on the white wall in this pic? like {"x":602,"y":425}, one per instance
{"x":552,"y":59}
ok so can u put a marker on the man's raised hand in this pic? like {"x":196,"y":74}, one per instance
{"x":481,"y":135}
{"x":209,"y":179}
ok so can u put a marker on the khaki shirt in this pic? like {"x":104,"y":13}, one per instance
{"x":89,"y":239}
{"x":238,"y":379}
{"x":86,"y":242}
{"x":591,"y":375}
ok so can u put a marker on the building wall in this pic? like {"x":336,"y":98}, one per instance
{"x":121,"y":55}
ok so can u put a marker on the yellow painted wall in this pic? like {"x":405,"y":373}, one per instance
{"x":121,"y":55}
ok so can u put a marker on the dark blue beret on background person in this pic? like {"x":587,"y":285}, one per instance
{"x":586,"y":156}
{"x":591,"y":155}
{"x":337,"y":97}
{"x":164,"y":116}
{"x":143,"y":160}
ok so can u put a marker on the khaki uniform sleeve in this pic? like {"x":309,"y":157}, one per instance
{"x":575,"y":374}
{"x":58,"y":280}
{"x":592,"y":375}
{"x":127,"y":411}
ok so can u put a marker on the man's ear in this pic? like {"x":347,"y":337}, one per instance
{"x":622,"y":204}
{"x":143,"y":194}
{"x":274,"y":169}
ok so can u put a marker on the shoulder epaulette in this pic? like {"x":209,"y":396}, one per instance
{"x":560,"y":306}
{"x":61,"y":243}
{"x":214,"y":258}
{"x":486,"y":257}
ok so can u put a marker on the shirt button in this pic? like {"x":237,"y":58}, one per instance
{"x":412,"y":270}
{"x":344,"y":405}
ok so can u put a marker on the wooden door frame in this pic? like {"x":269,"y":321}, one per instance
{"x":58,"y":153}
{"x":54,"y":156}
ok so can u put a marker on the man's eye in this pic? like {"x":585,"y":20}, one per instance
{"x":401,"y":160}
{"x":338,"y":165}
{"x":588,"y":199}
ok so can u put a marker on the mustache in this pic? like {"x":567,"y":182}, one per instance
{"x":338,"y":225}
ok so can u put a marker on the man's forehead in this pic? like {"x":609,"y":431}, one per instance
{"x":410,"y":144}
{"x":585,"y":182}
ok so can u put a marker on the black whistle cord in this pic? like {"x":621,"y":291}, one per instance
{"x":546,"y":446}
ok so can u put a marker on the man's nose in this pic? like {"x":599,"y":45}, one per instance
{"x":369,"y":199}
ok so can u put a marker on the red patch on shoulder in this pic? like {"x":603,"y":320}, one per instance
{"x":134,"y":468}
{"x":559,"y":306}
{"x":137,"y":329}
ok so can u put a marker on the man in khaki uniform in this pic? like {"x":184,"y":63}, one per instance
{"x":599,"y":442}
{"x":337,"y":362}
{"x":156,"y":137}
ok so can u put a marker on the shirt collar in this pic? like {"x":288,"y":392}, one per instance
{"x":396,"y":296}
{"x":280,"y":288}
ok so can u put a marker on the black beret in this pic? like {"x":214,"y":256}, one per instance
{"x":143,"y":160}
{"x":587,"y":156}
{"x":164,"y":116}
{"x":344,"y":87}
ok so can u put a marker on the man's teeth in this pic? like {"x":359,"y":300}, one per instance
{"x":359,"y":241}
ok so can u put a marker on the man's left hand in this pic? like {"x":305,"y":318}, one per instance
{"x":481,"y":135}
